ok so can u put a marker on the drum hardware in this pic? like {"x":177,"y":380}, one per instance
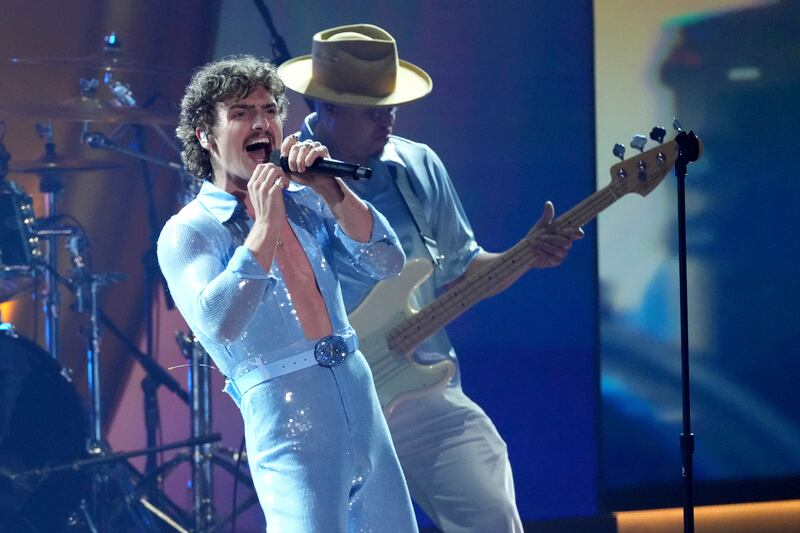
{"x":59,"y":163}
{"x":19,"y":245}
{"x":50,"y":185}
{"x":42,"y":422}
{"x":85,"y":286}
{"x":100,"y":141}
{"x":167,"y":511}
{"x":109,"y":60}
{"x":203,"y":512}
{"x":204,"y":456}
{"x":88,"y":109}
{"x":190,"y":185}
{"x":120,"y":109}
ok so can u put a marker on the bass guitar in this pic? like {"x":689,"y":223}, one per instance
{"x":390,"y":328}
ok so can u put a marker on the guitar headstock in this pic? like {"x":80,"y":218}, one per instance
{"x":646,"y":170}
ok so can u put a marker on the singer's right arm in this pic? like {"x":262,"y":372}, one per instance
{"x":268,"y":212}
{"x":216,"y":286}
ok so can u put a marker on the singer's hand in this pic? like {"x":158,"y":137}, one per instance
{"x":552,"y":247}
{"x":301,"y":155}
{"x":265,"y":194}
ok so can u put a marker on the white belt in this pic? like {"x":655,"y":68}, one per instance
{"x":329,"y":351}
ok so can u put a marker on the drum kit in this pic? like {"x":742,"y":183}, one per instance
{"x":57,"y":473}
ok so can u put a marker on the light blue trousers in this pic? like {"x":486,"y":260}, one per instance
{"x":320,"y":453}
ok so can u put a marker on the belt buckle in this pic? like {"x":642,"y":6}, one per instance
{"x":331,"y":351}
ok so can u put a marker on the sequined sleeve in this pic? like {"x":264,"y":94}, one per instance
{"x":216,"y":295}
{"x":381,"y":257}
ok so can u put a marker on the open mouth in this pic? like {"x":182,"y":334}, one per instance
{"x":258,"y":149}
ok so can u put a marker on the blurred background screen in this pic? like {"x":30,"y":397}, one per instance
{"x":728,"y":70}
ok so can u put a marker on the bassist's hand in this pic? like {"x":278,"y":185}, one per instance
{"x":552,"y":247}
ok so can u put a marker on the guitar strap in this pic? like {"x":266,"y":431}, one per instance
{"x":417,"y":215}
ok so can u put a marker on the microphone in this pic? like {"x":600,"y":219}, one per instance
{"x":331,"y":167}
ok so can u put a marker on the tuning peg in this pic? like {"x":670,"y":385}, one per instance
{"x":638,"y":142}
{"x":619,"y":151}
{"x":657,"y":134}
{"x":677,"y":125}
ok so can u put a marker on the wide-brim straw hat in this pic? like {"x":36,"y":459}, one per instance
{"x":355,"y":65}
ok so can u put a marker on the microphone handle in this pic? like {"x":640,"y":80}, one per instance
{"x":331,"y":167}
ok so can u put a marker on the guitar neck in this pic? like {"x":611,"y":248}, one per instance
{"x":410,"y":333}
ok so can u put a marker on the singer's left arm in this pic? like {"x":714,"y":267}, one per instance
{"x":350,"y":211}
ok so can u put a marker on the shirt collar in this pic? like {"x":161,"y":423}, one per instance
{"x":390,"y":155}
{"x":220,"y":203}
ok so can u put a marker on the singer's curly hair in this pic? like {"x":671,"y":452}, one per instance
{"x":230,"y":77}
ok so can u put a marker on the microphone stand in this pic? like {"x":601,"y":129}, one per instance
{"x":153,"y":369}
{"x":279,"y":50}
{"x":688,"y":151}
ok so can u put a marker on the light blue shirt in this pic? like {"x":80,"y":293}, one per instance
{"x":235,"y":308}
{"x":441,"y":207}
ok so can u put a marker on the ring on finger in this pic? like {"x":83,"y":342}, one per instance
{"x":279,"y":183}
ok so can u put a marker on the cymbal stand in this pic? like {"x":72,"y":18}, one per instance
{"x":202,"y":474}
{"x":85,"y":285}
{"x":50,"y":185}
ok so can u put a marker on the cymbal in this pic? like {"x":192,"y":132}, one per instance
{"x":58,"y":163}
{"x":89,"y":109}
{"x":107,"y":60}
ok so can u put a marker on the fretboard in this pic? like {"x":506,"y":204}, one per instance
{"x":410,"y":333}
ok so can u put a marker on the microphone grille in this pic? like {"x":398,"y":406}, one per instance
{"x":275,"y":157}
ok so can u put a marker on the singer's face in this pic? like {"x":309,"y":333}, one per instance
{"x":246,"y":131}
{"x":363,"y":131}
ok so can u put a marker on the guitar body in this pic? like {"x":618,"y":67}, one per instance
{"x":397,"y":376}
